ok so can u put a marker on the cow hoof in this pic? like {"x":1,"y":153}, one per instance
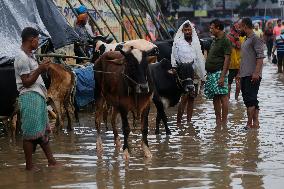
{"x":146,"y":151}
{"x":168,"y":132}
{"x":99,"y":145}
{"x":157,"y":132}
{"x":117,"y":143}
{"x":126,"y":155}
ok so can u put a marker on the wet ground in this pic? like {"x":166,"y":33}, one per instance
{"x":194,"y":156}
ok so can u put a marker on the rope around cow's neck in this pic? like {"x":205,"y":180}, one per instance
{"x":123,"y":74}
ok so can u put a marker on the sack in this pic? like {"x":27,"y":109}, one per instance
{"x":274,"y":59}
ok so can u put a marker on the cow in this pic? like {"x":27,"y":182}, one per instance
{"x":168,"y":87}
{"x":61,"y":93}
{"x":101,"y":45}
{"x":123,"y":80}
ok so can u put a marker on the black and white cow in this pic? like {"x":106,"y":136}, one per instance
{"x":169,"y":87}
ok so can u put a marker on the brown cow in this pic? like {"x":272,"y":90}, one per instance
{"x":123,"y":80}
{"x":61,"y":93}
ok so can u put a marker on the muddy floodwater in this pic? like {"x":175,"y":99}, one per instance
{"x":195,"y":156}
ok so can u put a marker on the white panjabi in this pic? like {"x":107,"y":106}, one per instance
{"x":192,"y":53}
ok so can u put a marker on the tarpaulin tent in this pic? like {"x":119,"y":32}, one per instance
{"x":40,"y":14}
{"x":60,"y":31}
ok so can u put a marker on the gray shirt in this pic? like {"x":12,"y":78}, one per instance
{"x":251,"y":50}
{"x":25,"y":64}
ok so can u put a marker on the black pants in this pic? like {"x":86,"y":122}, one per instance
{"x":250,"y":91}
{"x":269,"y":45}
{"x":280,"y":59}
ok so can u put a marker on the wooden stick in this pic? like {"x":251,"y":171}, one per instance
{"x":61,"y":56}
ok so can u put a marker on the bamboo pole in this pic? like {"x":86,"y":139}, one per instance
{"x":134,"y":18}
{"x":118,"y":19}
{"x":54,"y":55}
{"x":152,"y":17}
{"x":163,"y":18}
{"x":143,"y":22}
{"x":148,"y":6}
{"x":124,"y":12}
{"x":105,"y":23}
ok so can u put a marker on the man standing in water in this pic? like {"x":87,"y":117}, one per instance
{"x":186,"y":50}
{"x":252,"y":54}
{"x":217,"y":65}
{"x":32,"y":99}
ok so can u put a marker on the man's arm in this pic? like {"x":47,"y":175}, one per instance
{"x":258,"y":47}
{"x":225,"y":70}
{"x":29,"y":79}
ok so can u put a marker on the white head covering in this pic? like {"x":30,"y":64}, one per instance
{"x":199,"y":62}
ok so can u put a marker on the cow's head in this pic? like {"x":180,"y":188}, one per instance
{"x":185,"y":75}
{"x":99,"y":45}
{"x":136,"y":72}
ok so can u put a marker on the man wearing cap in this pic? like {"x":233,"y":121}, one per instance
{"x":84,"y":33}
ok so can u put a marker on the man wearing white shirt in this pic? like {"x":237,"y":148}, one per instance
{"x":186,"y":50}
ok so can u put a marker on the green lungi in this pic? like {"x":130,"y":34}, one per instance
{"x":34,"y":116}
{"x":211,"y":86}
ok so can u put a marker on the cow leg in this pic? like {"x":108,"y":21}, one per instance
{"x":158,"y":121}
{"x":56,"y":107}
{"x":161,"y":115}
{"x":106,"y":110}
{"x":98,"y":117}
{"x":114,"y":128}
{"x":126,"y":132}
{"x":68,"y":113}
{"x":144,"y":128}
{"x":76,"y":111}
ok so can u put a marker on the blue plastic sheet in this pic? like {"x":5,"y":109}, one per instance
{"x":85,"y":85}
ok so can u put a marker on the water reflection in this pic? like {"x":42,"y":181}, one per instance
{"x":197,"y":155}
{"x":251,"y":176}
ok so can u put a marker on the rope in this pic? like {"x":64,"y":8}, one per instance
{"x":123,"y":74}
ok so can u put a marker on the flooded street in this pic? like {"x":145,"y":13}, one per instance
{"x":194,"y":156}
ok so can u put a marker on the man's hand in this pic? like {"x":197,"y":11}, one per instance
{"x":254,"y":78}
{"x":172,"y":71}
{"x":44,"y":65}
{"x":221,"y":81}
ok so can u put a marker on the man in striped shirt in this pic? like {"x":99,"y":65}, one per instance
{"x":279,"y":45}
